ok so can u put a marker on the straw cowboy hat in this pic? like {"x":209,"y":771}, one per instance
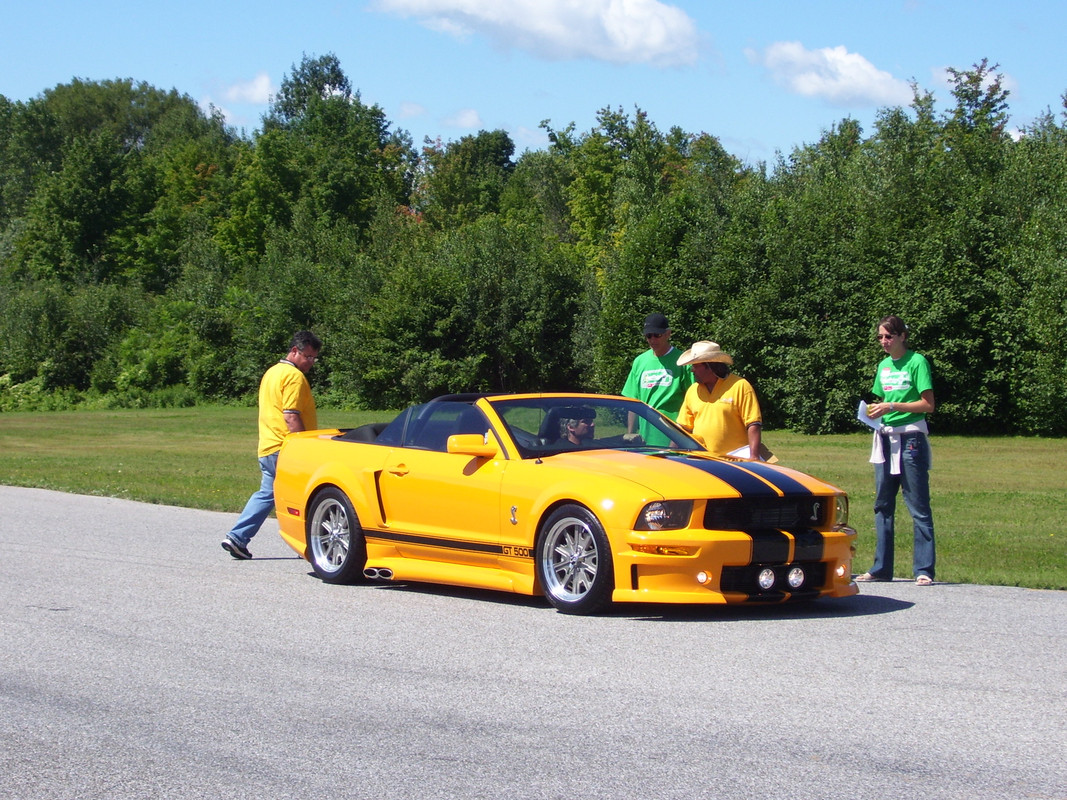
{"x":702,"y":352}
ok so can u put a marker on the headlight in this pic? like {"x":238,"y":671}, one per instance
{"x":664,"y":515}
{"x":841,"y":511}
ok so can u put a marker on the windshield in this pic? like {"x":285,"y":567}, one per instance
{"x":542,"y":426}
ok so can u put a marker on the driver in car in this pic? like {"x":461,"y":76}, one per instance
{"x":579,"y":429}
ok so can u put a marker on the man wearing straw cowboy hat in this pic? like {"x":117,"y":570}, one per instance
{"x":720,"y":409}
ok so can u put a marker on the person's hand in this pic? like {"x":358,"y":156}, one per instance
{"x":876,"y":410}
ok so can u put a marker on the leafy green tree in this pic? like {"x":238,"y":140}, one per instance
{"x":464,"y":180}
{"x":56,"y":333}
{"x":72,"y":214}
{"x":1035,"y":190}
{"x":92,"y":180}
{"x":535,"y":193}
{"x":485,"y":308}
{"x":322,"y":151}
{"x":310,"y":82}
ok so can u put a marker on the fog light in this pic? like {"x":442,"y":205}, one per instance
{"x":796,"y":577}
{"x":840,"y":571}
{"x":703,"y":578}
{"x":766,"y":578}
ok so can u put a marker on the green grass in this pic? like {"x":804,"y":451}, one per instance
{"x":1000,"y":504}
{"x":195,"y":457}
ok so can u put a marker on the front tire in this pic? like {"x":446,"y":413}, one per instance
{"x":336,"y":547}
{"x":574,"y":561}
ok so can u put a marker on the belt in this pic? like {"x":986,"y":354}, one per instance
{"x":894,"y":433}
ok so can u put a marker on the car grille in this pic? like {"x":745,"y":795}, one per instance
{"x":782,"y":513}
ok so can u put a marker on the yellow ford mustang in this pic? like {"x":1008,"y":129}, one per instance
{"x":586,"y":499}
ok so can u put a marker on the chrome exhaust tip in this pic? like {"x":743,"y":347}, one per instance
{"x":371,"y":572}
{"x":385,"y":574}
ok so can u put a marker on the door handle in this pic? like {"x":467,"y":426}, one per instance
{"x":400,"y":470}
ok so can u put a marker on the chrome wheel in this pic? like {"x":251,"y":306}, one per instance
{"x":336,"y":547}
{"x":573,"y":561}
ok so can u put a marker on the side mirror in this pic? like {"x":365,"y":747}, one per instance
{"x":473,"y":444}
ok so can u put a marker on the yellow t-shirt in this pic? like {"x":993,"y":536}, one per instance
{"x":719,"y":419}
{"x":283,"y":388}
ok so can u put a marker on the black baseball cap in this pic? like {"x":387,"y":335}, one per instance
{"x":656,"y":323}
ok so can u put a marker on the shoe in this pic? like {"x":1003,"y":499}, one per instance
{"x":238,"y":551}
{"x":923,"y":580}
{"x":867,"y":577}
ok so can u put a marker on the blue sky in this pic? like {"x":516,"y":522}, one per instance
{"x":761,"y":76}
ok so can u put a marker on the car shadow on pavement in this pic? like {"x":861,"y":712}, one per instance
{"x":861,"y":605}
{"x":856,"y":606}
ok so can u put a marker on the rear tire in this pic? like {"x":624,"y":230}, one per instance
{"x":574,"y":561}
{"x":336,"y":547}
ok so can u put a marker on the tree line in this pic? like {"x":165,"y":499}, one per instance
{"x":152,"y":256}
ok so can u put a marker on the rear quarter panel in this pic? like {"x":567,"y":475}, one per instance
{"x":312,"y":460}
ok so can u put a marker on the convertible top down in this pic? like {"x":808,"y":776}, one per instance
{"x":585,"y":499}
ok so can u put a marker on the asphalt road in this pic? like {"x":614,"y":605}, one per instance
{"x":138,"y":660}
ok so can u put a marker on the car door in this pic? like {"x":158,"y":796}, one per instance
{"x":442,"y":506}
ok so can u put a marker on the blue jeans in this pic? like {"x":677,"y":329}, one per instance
{"x":259,"y":505}
{"x":914,"y":482}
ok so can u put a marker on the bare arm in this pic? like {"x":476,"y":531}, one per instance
{"x":755,"y":438}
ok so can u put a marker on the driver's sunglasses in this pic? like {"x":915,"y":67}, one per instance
{"x":653,"y":335}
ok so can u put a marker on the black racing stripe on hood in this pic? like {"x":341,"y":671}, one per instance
{"x":731,"y":474}
{"x":787,"y":485}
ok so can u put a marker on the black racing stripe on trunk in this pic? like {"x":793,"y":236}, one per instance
{"x":747,"y":484}
{"x":769,"y":547}
{"x":434,"y":541}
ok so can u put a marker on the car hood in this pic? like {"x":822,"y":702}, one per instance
{"x":683,"y":475}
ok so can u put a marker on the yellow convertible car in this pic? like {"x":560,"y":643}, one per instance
{"x":585,"y":499}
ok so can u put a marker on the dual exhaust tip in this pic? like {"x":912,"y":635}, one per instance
{"x":376,"y":574}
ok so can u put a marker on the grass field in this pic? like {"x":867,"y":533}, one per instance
{"x":1000,"y":504}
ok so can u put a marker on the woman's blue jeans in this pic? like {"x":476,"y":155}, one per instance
{"x":914,"y":483}
{"x":259,"y":505}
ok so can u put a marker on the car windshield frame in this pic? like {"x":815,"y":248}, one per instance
{"x":537,"y":425}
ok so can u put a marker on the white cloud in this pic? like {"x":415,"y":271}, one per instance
{"x":256,"y":91}
{"x":464,"y":118}
{"x":410,"y":110}
{"x":529,"y":138}
{"x":833,"y":74}
{"x":616,"y":31}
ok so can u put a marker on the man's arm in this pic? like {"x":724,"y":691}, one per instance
{"x":755,"y":438}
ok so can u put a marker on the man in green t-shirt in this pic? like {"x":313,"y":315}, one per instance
{"x":656,"y":379}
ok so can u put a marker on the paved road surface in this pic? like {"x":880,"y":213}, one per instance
{"x":137,"y":660}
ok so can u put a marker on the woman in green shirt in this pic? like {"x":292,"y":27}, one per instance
{"x":901,"y":451}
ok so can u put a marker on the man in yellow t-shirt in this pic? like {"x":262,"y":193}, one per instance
{"x":720,"y":409}
{"x":285,"y":406}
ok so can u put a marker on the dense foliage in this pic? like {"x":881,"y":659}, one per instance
{"x":151,"y":256}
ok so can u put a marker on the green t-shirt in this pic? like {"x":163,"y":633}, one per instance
{"x":902,"y":381}
{"x":661,"y":383}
